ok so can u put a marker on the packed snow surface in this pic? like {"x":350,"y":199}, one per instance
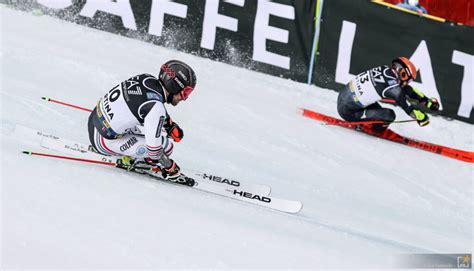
{"x":365,"y":200}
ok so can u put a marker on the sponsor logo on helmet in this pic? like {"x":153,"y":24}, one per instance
{"x":170,"y":72}
{"x":183,"y":75}
{"x":176,"y":79}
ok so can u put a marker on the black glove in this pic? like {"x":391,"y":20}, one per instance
{"x":433,"y":104}
{"x":430,"y":103}
{"x":172,"y":172}
{"x":173,"y":130}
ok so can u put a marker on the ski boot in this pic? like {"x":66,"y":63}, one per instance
{"x":153,"y":170}
{"x":163,"y":174}
{"x":126,"y":162}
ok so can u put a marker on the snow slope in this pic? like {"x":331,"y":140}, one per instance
{"x":365,"y":200}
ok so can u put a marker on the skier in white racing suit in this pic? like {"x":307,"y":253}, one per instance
{"x":358,"y":101}
{"x":131,"y":120}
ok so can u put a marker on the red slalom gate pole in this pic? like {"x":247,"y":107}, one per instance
{"x":66,"y":104}
{"x":71,"y":158}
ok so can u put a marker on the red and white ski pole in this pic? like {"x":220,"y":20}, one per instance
{"x":107,"y":163}
{"x":66,"y":104}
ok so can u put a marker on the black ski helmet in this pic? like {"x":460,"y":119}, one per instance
{"x":177,"y":77}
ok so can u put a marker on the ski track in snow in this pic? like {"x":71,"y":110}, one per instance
{"x":365,"y":199}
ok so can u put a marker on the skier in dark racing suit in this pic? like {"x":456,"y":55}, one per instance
{"x":358,"y":101}
{"x":131,"y":120}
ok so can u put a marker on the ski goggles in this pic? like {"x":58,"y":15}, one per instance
{"x":403,"y":74}
{"x":184,"y":94}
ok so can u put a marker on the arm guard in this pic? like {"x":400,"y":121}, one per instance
{"x":415,"y":94}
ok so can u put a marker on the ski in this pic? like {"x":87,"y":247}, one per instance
{"x":237,"y":193}
{"x":390,"y":135}
{"x":80,"y":150}
{"x":284,"y":205}
{"x":288,"y":206}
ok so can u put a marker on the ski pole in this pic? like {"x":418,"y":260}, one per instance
{"x":70,"y":158}
{"x":373,"y":122}
{"x":403,"y":121}
{"x":107,"y":163}
{"x":66,"y":104}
